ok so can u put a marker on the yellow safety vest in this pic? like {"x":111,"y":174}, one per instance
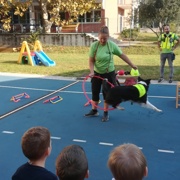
{"x":167,"y":41}
{"x":141,"y":89}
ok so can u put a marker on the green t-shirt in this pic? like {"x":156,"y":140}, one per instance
{"x":104,"y":56}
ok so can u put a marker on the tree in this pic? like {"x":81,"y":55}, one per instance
{"x":7,"y":5}
{"x":73,"y":8}
{"x":50,"y":8}
{"x":157,"y":11}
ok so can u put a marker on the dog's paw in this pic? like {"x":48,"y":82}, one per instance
{"x":158,"y":110}
{"x":120,"y":108}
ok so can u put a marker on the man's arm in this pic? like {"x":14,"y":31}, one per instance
{"x":176,"y":44}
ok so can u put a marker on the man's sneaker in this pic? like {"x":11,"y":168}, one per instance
{"x":92,"y":112}
{"x":160,"y":80}
{"x":170,"y":80}
{"x":105,"y":117}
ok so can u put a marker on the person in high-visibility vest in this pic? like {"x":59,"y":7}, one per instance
{"x":167,"y":43}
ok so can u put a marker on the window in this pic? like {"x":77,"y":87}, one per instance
{"x":62,"y":15}
{"x":16,"y":19}
{"x":94,"y":16}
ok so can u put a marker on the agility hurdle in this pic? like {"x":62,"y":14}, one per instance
{"x":54,"y":99}
{"x":18,"y":97}
{"x":177,"y":94}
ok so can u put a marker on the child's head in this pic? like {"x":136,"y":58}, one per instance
{"x":36,"y":143}
{"x":127,"y":162}
{"x":72,"y":163}
{"x":103,"y":35}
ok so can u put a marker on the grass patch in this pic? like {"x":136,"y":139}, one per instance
{"x":147,"y":37}
{"x":73,"y":62}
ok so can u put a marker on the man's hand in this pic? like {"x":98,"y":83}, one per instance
{"x":160,"y":48}
{"x":173,"y":48}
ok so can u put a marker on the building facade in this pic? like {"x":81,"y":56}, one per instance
{"x":120,"y":14}
{"x":116,"y":14}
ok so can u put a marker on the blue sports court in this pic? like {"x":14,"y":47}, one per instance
{"x":157,"y":134}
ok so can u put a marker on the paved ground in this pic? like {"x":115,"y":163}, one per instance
{"x":157,"y":134}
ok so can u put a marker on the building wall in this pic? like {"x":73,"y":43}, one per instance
{"x":60,"y":39}
{"x":117,"y":11}
{"x":127,"y":22}
{"x":111,"y":13}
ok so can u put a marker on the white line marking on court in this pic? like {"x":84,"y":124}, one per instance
{"x":100,"y":143}
{"x":165,"y":97}
{"x":165,"y":151}
{"x":79,"y":140}
{"x":7,"y":132}
{"x":53,"y":137}
{"x":37,"y":100}
{"x":34,"y":89}
{"x":75,"y":92}
{"x":48,"y":90}
{"x":106,"y":144}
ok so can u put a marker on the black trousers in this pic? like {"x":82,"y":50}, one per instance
{"x":97,"y":84}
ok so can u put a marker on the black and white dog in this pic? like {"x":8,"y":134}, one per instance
{"x":135,"y":93}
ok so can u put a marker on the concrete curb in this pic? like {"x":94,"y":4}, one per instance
{"x":165,"y":82}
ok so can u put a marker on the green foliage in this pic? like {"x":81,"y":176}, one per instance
{"x":173,"y":27}
{"x":32,"y":38}
{"x":49,"y":7}
{"x":130,"y":33}
{"x":158,"y":11}
{"x":9,"y":5}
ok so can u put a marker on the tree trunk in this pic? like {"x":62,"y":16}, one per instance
{"x":46,"y":23}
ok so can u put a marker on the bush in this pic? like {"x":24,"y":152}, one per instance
{"x":34,"y":36}
{"x":129,"y":33}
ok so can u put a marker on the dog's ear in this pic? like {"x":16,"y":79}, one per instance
{"x":140,"y":79}
{"x":147,"y":80}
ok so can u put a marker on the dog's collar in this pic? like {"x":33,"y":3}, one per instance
{"x":142,"y":82}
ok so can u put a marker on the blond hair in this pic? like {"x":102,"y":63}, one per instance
{"x":127,"y":162}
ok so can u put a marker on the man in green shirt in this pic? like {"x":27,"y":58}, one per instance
{"x":167,"y":43}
